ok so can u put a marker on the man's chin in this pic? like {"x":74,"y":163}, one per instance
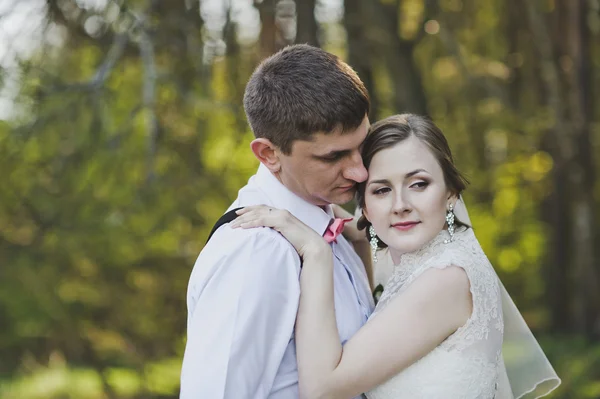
{"x":343,"y":198}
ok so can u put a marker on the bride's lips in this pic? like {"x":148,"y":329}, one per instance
{"x":404,"y":226}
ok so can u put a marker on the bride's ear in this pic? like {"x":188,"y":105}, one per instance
{"x":452,"y":199}
{"x":365,"y":214}
{"x":363,"y":220}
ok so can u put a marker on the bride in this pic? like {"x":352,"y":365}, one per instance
{"x":440,"y":328}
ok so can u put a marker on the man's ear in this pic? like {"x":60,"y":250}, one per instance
{"x":267,"y":153}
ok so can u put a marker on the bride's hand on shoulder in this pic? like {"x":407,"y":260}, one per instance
{"x":304,"y":239}
{"x":351,"y":231}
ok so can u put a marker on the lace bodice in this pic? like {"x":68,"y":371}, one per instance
{"x":468,"y":363}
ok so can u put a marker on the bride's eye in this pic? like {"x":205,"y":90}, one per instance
{"x":420,"y":184}
{"x":381,"y":190}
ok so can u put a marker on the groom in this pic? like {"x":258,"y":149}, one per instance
{"x":308,"y":111}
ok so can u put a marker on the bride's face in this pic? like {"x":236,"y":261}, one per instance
{"x":406,"y":197}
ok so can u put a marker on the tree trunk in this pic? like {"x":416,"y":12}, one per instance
{"x":557,"y":261}
{"x":268,"y":30}
{"x":568,"y":97}
{"x":307,"y":27}
{"x":577,"y":66}
{"x":409,"y":93}
{"x":513,"y":30}
{"x":558,"y":146}
{"x":360,"y":56}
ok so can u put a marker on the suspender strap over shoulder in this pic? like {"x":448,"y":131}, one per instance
{"x":230,"y":217}
{"x":226,"y":218}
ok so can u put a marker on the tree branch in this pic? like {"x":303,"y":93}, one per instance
{"x":488,"y":85}
{"x":148,"y":97}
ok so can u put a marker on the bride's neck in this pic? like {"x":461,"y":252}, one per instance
{"x":397,"y":254}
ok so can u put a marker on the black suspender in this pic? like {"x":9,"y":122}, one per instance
{"x":226,"y":218}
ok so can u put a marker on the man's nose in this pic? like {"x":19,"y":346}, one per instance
{"x":356,"y":170}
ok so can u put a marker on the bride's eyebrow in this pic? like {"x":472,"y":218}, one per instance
{"x":379,"y":181}
{"x":414,"y":172}
{"x":406,"y":176}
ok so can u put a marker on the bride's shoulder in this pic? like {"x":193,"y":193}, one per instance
{"x":463,"y":251}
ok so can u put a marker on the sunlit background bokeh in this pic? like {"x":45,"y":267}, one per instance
{"x":123,"y":139}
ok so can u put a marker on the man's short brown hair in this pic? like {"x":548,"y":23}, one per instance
{"x":302,"y":90}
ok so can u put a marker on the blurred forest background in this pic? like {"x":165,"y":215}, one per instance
{"x":123,"y":138}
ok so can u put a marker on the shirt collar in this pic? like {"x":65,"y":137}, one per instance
{"x":317,"y":218}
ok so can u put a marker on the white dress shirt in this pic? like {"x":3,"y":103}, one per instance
{"x":243,"y":297}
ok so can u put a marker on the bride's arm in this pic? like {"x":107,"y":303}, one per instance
{"x":413,"y":323}
{"x":359,"y":241}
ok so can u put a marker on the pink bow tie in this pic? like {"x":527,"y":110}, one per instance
{"x":335,"y":228}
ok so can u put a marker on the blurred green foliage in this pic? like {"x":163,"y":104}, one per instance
{"x":117,"y":159}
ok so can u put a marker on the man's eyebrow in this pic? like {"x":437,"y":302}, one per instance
{"x":335,"y":153}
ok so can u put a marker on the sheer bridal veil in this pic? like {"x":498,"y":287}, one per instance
{"x":528,"y":371}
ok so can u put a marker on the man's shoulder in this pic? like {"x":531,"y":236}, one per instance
{"x":239,"y":237}
{"x":260,"y":244}
{"x":232,"y":253}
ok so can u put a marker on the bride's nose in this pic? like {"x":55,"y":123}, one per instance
{"x":401,"y":202}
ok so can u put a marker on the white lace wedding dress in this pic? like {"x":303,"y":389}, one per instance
{"x":468,"y":364}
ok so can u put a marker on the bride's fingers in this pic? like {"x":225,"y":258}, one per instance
{"x":251,"y":208}
{"x":258,"y":208}
{"x":256,"y":217}
{"x":278,"y":219}
{"x":245,"y":220}
{"x":242,"y":211}
{"x":248,"y":224}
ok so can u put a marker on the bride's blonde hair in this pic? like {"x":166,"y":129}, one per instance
{"x":392,"y":130}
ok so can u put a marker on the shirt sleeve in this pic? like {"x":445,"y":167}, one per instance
{"x":241,"y":315}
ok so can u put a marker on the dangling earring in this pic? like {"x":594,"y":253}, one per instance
{"x":450,"y":221}
{"x":373,"y":243}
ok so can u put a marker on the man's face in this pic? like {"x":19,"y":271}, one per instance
{"x":325,"y":170}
